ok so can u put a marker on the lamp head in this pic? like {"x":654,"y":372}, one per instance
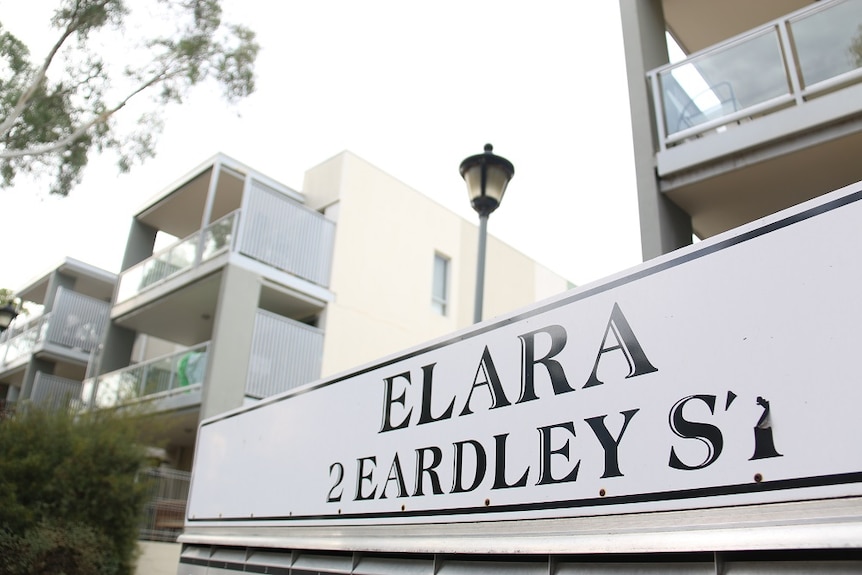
{"x":487,"y":176}
{"x":7,"y":313}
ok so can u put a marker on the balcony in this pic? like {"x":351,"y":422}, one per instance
{"x":785,"y":63}
{"x":284,"y":355}
{"x":174,"y":380}
{"x":55,"y":393}
{"x":272,"y":229}
{"x":780,"y":105}
{"x":73,"y":328}
{"x":183,"y":255}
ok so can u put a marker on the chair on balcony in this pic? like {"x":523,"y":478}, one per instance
{"x":703,"y":107}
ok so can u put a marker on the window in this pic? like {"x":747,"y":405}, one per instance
{"x":440,"y":285}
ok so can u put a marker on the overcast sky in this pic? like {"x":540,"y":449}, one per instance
{"x":411,"y":87}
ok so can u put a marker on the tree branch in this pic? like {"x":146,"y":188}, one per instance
{"x":16,"y":112}
{"x":67,"y":141}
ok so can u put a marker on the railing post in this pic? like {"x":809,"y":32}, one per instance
{"x":239,"y":229}
{"x":790,"y":64}
{"x":208,"y":208}
{"x":173,"y":373}
{"x":145,"y":372}
{"x":658,"y":110}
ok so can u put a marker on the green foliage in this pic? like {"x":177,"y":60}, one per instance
{"x":70,"y":501}
{"x":7,"y":296}
{"x":70,"y":550}
{"x":51,"y":120}
{"x":856,"y":47}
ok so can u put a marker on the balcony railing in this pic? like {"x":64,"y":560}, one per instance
{"x":284,"y":354}
{"x":55,"y":393}
{"x":177,"y":373}
{"x":784,"y":63}
{"x":76,"y":323}
{"x":276,"y":231}
{"x":21,"y":341}
{"x":7,"y":409}
{"x":179,"y":257}
{"x":165,"y":510}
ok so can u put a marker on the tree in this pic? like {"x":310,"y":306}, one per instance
{"x":7,"y":297}
{"x":55,"y":113}
{"x":856,"y":47}
{"x":70,"y":497}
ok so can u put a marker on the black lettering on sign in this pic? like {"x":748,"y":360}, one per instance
{"x":397,"y":475}
{"x":706,"y":433}
{"x":339,"y":477}
{"x":625,"y":343}
{"x":481,"y":466}
{"x":528,"y":363}
{"x":545,"y":475}
{"x":389,"y":400}
{"x":609,"y":444}
{"x":491,"y":380}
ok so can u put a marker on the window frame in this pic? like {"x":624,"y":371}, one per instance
{"x":440,"y":302}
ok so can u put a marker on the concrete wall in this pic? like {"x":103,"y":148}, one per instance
{"x":158,"y":558}
{"x":664,"y":226}
{"x":386,"y":237}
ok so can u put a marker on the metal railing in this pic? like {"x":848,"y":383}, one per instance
{"x":276,"y":231}
{"x":181,"y":372}
{"x":76,"y":322}
{"x":7,"y":409}
{"x":783,"y":63}
{"x":284,"y":354}
{"x":286,"y":235}
{"x":55,"y":393}
{"x":165,"y":510}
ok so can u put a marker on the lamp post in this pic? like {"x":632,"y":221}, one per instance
{"x":7,"y":313}
{"x":487,"y":176}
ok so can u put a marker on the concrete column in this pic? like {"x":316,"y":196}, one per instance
{"x":230,"y":347}
{"x":664,"y":226}
{"x":56,"y":281}
{"x":142,"y":238}
{"x":116,"y":350}
{"x":12,"y":393}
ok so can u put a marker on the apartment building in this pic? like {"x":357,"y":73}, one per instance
{"x":235,"y":287}
{"x":764,"y":111}
{"x":44,"y":354}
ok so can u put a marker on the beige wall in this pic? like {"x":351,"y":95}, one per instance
{"x":386,"y":238}
{"x":158,"y":558}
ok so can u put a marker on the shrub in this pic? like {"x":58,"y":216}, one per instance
{"x":70,"y":501}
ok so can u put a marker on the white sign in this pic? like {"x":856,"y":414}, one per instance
{"x":722,"y":374}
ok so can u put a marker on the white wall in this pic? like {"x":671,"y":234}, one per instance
{"x":386,"y":237}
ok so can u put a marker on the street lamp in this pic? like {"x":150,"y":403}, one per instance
{"x":487,"y":176}
{"x":7,"y":314}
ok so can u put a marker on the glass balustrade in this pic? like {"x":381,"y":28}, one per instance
{"x":723,"y":81}
{"x":279,"y":232}
{"x":76,"y":323}
{"x":781,"y":64}
{"x":178,"y":257}
{"x":176,"y":373}
{"x":828,"y":42}
{"x":218,"y":236}
{"x":22,"y":340}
